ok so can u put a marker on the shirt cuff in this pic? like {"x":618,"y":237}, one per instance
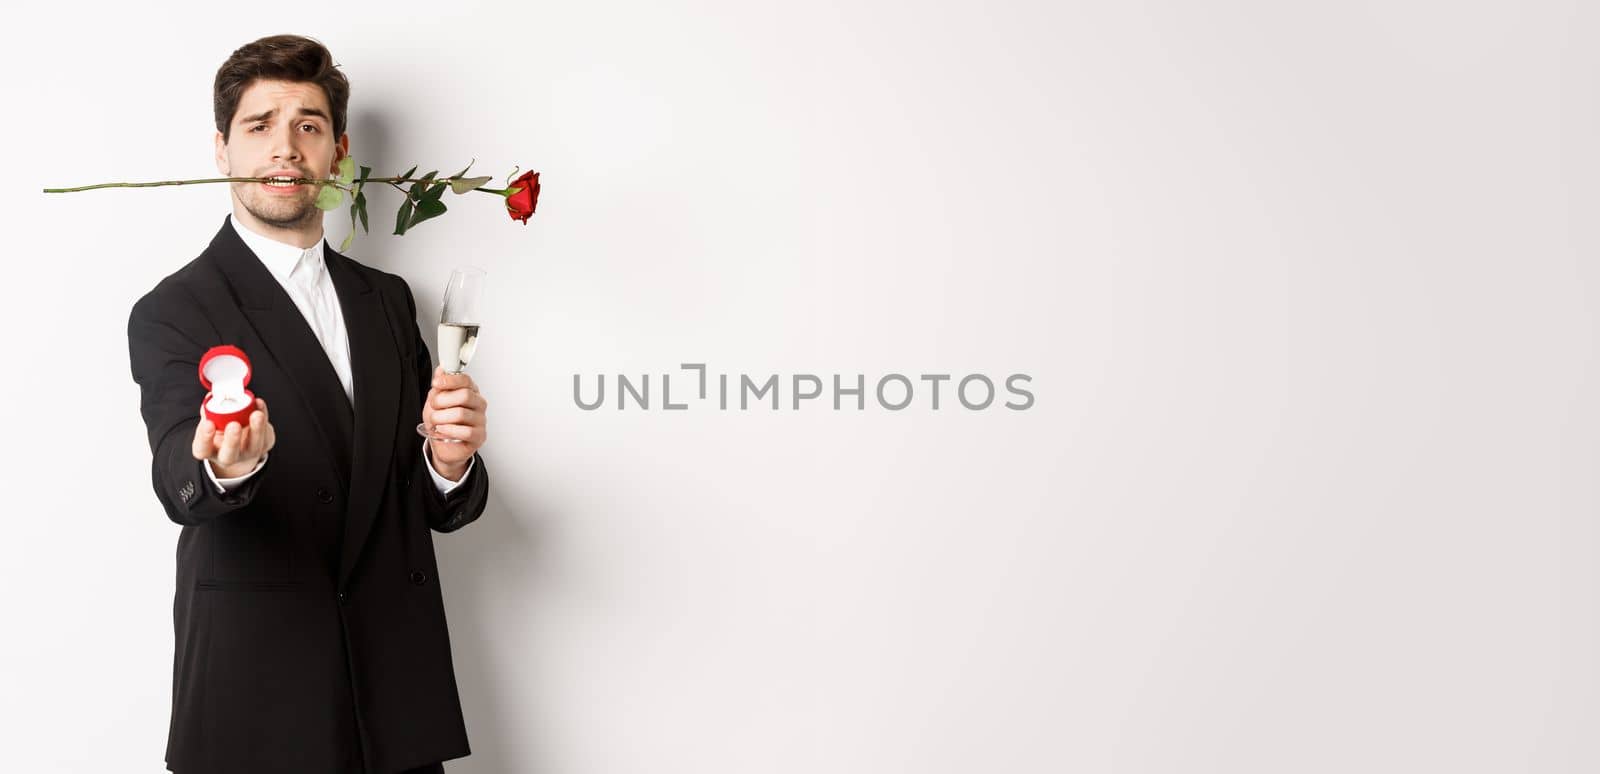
{"x":225,"y":485}
{"x":444,"y":485}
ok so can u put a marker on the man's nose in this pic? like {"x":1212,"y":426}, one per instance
{"x":284,"y":149}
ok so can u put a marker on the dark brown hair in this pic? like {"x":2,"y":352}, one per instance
{"x":279,"y":58}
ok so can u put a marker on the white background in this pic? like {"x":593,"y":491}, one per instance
{"x":1307,"y":292}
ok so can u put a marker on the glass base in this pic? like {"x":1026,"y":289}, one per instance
{"x":427,"y":432}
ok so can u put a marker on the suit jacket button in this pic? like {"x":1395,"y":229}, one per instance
{"x":419,"y":577}
{"x":324,"y":496}
{"x":343,"y":598}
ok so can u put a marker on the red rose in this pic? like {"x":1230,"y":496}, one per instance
{"x":521,"y":203}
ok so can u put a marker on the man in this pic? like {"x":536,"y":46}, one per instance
{"x":309,"y":623}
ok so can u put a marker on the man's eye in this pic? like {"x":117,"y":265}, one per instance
{"x":313,"y":126}
{"x":258,"y":126}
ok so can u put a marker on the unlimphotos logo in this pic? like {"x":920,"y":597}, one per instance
{"x":893,"y":392}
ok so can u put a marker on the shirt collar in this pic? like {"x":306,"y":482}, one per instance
{"x":280,"y":258}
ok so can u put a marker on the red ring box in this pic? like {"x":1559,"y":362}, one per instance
{"x":224,"y":371}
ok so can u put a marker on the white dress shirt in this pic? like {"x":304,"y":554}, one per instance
{"x":304,"y":276}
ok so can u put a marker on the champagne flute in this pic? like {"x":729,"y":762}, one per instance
{"x":458,"y":328}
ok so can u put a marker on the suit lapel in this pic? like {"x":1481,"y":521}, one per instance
{"x":290,"y":343}
{"x":376,"y":366}
{"x":360,"y":442}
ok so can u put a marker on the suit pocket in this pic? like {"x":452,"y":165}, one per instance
{"x":250,"y":547}
{"x":216,"y":585}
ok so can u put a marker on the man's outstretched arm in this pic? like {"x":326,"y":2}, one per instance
{"x":164,"y":350}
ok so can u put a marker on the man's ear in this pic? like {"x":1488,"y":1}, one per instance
{"x":222,"y":156}
{"x":342,"y":149}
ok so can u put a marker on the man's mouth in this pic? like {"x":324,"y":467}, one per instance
{"x":282,"y":185}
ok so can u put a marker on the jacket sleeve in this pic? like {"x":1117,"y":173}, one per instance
{"x":465,"y":503}
{"x":165,"y":338}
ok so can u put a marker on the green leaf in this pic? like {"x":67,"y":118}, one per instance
{"x":408,"y":173}
{"x":464,"y":185}
{"x":464,"y":171}
{"x":345,"y":245}
{"x":361,"y":209}
{"x":433,"y":194}
{"x":403,"y":219}
{"x":429,"y":208}
{"x":347,"y":170}
{"x":329,"y":197}
{"x":418,"y":190}
{"x":366,"y":172}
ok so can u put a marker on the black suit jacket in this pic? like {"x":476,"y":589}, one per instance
{"x":309,"y":624}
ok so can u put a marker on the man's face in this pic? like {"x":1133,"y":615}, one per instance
{"x":281,"y":128}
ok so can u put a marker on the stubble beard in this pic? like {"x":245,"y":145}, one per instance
{"x":285,"y":212}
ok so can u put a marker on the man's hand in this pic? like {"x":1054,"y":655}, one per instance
{"x":235,"y":450}
{"x":454,"y":409}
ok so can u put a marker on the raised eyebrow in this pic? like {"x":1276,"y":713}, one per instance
{"x":263,"y":116}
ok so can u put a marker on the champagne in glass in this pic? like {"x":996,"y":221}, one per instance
{"x":458,"y":328}
{"x":457,"y":342}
